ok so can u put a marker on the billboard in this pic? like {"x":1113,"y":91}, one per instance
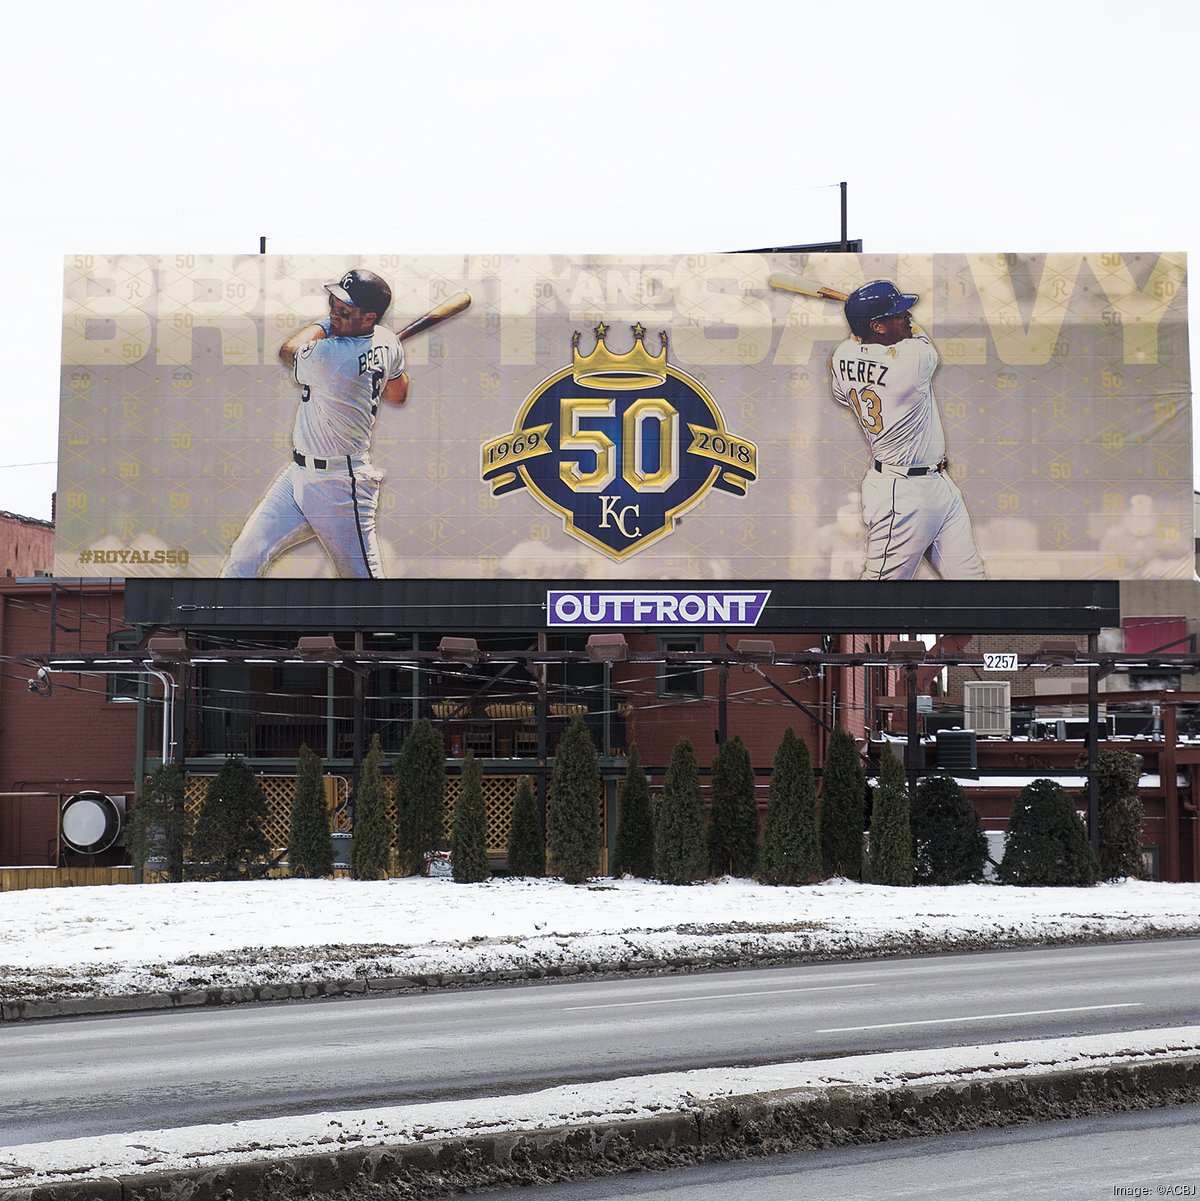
{"x":726,"y":417}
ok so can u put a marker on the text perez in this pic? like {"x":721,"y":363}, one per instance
{"x":862,"y":371}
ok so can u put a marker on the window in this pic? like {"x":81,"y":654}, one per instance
{"x":680,"y":679}
{"x":308,"y":679}
{"x":122,"y":685}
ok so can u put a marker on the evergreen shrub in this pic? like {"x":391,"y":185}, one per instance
{"x":159,"y":826}
{"x":370,"y":852}
{"x":468,"y":843}
{"x":733,"y":812}
{"x":948,"y":840}
{"x":574,"y":817}
{"x":843,"y":808}
{"x":1121,"y":815}
{"x":310,"y":849}
{"x":680,"y":854}
{"x":891,"y":851}
{"x":526,"y":839}
{"x":633,"y":852}
{"x":791,"y":851}
{"x":420,"y":797}
{"x":229,"y":839}
{"x":1047,"y":842}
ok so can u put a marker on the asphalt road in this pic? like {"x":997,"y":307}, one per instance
{"x":82,"y":1076}
{"x":1088,"y":1159}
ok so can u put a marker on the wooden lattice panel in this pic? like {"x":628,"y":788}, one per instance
{"x":499,"y":798}
{"x":279,"y":792}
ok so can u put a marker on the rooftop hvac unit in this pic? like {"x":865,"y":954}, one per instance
{"x":1068,"y":729}
{"x":956,"y":751}
{"x":987,"y":706}
{"x":92,"y":822}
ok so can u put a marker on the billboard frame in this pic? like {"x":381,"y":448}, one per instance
{"x":513,"y":605}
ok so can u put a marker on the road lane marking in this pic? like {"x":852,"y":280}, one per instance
{"x":717,"y":996}
{"x":982,"y":1017}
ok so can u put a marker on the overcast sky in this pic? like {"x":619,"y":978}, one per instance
{"x":551,"y":125}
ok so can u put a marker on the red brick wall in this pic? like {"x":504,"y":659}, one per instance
{"x":756,"y":711}
{"x":70,"y":740}
{"x":26,"y":545}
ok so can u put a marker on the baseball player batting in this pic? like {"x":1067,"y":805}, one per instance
{"x":346,"y":365}
{"x":911,"y":506}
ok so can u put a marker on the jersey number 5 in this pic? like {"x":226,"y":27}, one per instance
{"x":869,"y":409}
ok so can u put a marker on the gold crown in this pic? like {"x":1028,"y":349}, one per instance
{"x":619,"y":372}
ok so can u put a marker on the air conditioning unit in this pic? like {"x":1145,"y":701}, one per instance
{"x":1070,"y":729}
{"x":957,"y":752}
{"x":92,"y":822}
{"x":987,"y":706}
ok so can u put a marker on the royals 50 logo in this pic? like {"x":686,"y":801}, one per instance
{"x":619,"y":446}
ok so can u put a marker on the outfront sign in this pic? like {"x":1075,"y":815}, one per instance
{"x":700,"y":610}
{"x":723,"y":418}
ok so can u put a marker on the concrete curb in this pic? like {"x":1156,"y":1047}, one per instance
{"x":729,"y":1128}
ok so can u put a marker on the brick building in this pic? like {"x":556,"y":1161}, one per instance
{"x":26,"y":545}
{"x":238,"y":682}
{"x":72,"y":732}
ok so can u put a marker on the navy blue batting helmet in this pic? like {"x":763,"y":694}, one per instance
{"x":362,"y":290}
{"x":879,"y":298}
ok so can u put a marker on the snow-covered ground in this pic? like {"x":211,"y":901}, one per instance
{"x":81,"y":942}
{"x":78,"y":942}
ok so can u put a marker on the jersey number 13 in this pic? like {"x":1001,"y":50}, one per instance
{"x":869,"y":409}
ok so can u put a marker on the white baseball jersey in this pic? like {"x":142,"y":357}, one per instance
{"x":890,"y":390}
{"x":329,"y":490}
{"x":342,"y":379}
{"x":912,"y":508}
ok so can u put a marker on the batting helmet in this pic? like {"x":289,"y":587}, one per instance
{"x":879,"y":298}
{"x":363,"y":290}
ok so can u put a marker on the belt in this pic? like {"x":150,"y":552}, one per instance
{"x":893,"y":470}
{"x":309,"y":461}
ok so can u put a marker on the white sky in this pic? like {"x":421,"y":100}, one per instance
{"x":554,"y":125}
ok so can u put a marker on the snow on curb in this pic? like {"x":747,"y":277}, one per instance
{"x":617,"y":1124}
{"x":204,"y":944}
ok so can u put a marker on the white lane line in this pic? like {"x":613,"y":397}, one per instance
{"x":717,"y":996}
{"x":981,"y":1017}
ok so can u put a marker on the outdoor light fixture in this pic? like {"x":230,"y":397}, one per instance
{"x":459,"y":650}
{"x":607,"y":648}
{"x":318,"y":648}
{"x":756,"y":650}
{"x":168,"y":648}
{"x":41,"y":684}
{"x":1057,"y":652}
{"x":906,"y":650}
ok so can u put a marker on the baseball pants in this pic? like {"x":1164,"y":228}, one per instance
{"x":911,"y":517}
{"x":335,"y":504}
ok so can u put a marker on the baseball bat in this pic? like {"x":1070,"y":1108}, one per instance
{"x":444,"y":311}
{"x":803,"y":287}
